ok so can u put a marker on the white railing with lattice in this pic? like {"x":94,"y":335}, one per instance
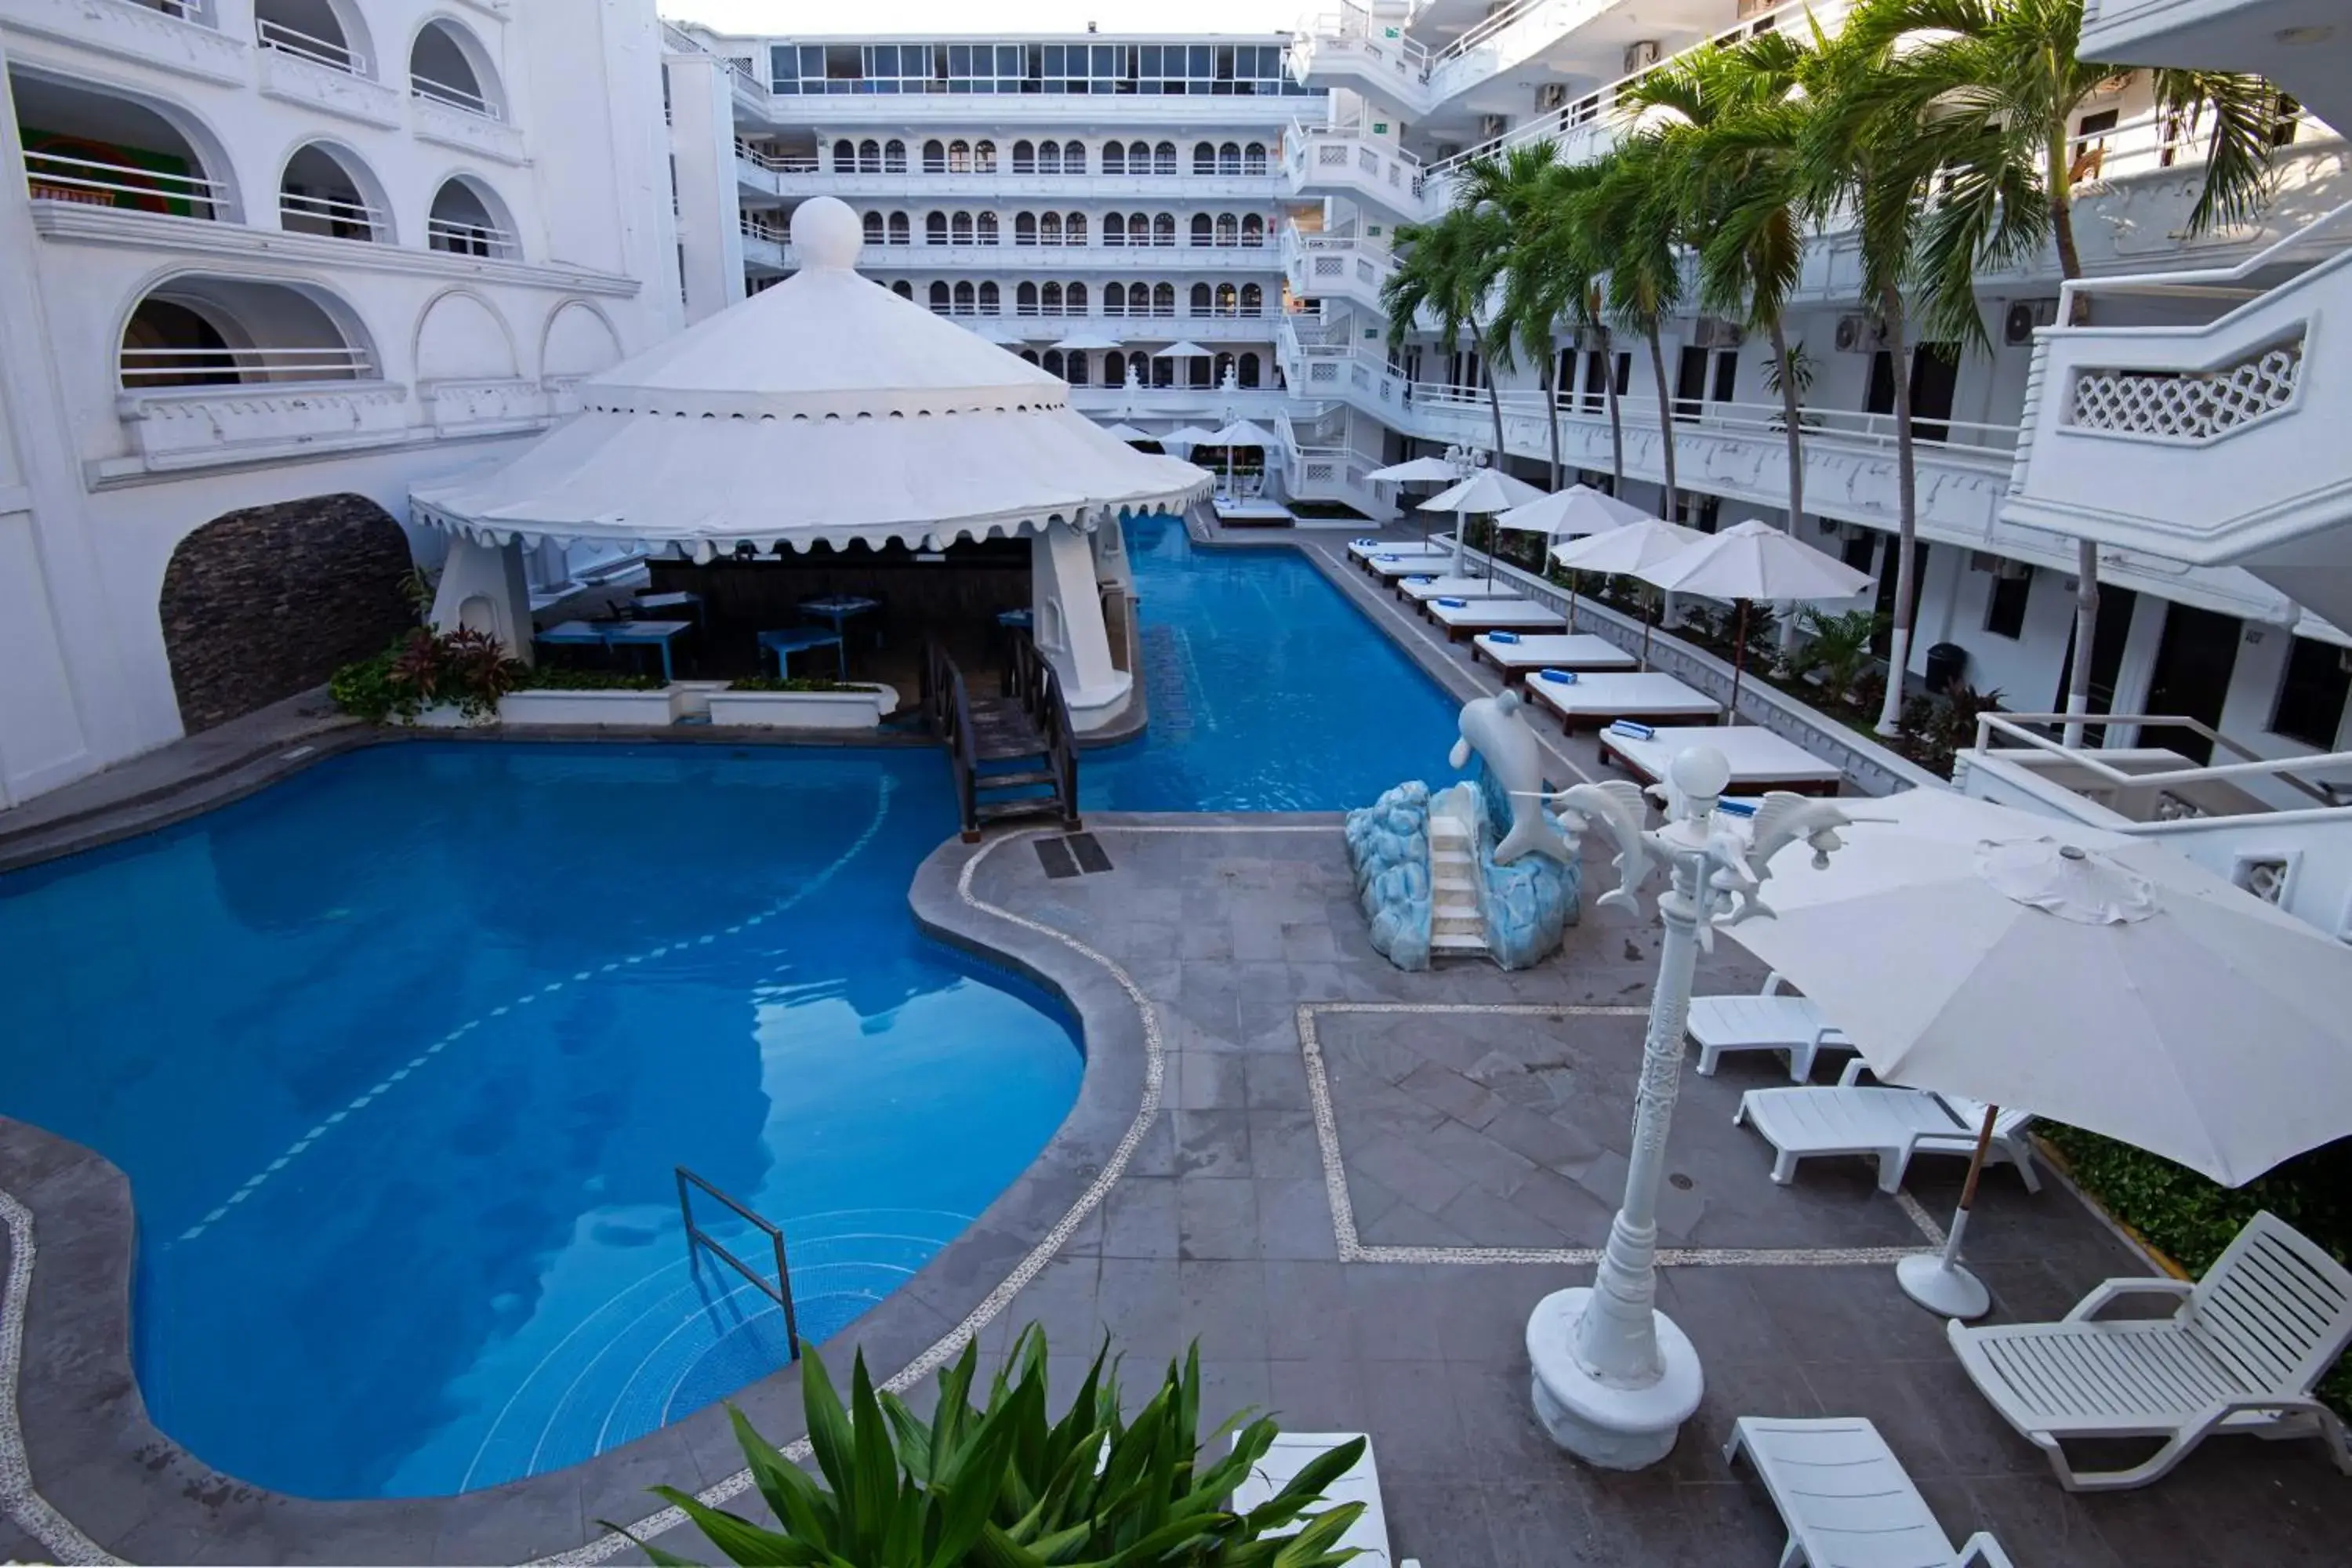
{"x":2200,"y":405}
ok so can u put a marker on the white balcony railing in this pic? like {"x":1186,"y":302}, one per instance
{"x":777,"y":162}
{"x":464,"y":238}
{"x":342,"y":219}
{"x":329,"y":52}
{"x":443,"y":92}
{"x":154,"y":367}
{"x":55,"y":178}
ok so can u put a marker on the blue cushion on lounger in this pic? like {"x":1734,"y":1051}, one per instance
{"x":1559,"y":676}
{"x":1736,"y":808}
{"x":1502,"y":636}
{"x":1632,"y":731}
{"x":1385,"y":558}
{"x":1367,"y":544}
{"x":1455,"y":603}
{"x":1419,"y":580}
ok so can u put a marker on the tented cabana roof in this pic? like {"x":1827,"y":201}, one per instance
{"x":824,"y":410}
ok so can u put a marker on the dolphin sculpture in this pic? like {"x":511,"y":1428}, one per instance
{"x":1492,"y":727}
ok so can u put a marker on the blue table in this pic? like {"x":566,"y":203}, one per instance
{"x":785,"y":644}
{"x":836,"y":609}
{"x":609,"y":633}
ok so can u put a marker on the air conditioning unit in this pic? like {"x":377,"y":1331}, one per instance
{"x":1552,"y":97}
{"x":1642,"y":55}
{"x":2024,"y":315}
{"x":1715,"y":332}
{"x":1491,"y":126}
{"x":2009,"y":571}
{"x":1859,"y":334}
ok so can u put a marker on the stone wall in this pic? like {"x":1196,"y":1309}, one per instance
{"x":261,"y":604}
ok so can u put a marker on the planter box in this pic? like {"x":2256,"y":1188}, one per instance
{"x":448,"y":716}
{"x":860,"y":709}
{"x":636,"y":709}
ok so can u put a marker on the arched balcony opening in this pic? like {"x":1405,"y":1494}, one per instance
{"x":1074,"y":230}
{"x":904,"y":290}
{"x":1074,"y":157}
{"x":1201,"y":228}
{"x":1025,"y":228}
{"x":1222,"y":369}
{"x":1196,"y":372}
{"x":203,"y":329}
{"x":935,"y":229}
{"x":1074,"y":300}
{"x":967,"y":299}
{"x":1229,"y":232}
{"x":1163,"y":301}
{"x":1228,"y":301}
{"x":894,"y":156}
{"x":844,"y":156}
{"x":1163,"y":231}
{"x":1114,"y":229}
{"x":1047,"y":159}
{"x":1029,"y":356}
{"x":1252,"y":232}
{"x":1246,"y":373}
{"x":983,"y":158}
{"x":1254,"y":158}
{"x":469,"y":218}
{"x":1198,"y":304}
{"x":449,"y":65}
{"x":959,"y":229}
{"x":992,"y":301}
{"x":1163,"y":158}
{"x":872,"y":226}
{"x":1024,"y":157}
{"x":1253,"y":300}
{"x":1139,"y":157}
{"x":327,"y":191}
{"x":959,"y":157}
{"x":939,"y":299}
{"x":1229,"y":158}
{"x":1052,"y":362}
{"x":92,"y":147}
{"x":870,"y":156}
{"x":319,"y":31}
{"x":983,"y":229}
{"x":1139,"y":300}
{"x":1114,"y":158}
{"x":934,"y":157}
{"x":901,"y":231}
{"x":1024,"y":299}
{"x":1114,"y":367}
{"x":1074,"y":368}
{"x":1049,"y":229}
{"x":1204,"y":157}
{"x":1114,"y":300}
{"x":1049,"y":299}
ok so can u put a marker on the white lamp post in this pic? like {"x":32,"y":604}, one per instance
{"x":1614,"y":1378}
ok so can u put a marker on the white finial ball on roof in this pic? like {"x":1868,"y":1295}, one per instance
{"x":825,"y":233}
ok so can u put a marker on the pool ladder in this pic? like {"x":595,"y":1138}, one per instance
{"x":781,"y":1290}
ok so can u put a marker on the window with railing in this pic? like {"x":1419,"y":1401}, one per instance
{"x":321,"y":194}
{"x":307,"y":30}
{"x":448,"y":67}
{"x":201,"y":331}
{"x":468,"y":219}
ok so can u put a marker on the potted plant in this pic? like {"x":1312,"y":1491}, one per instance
{"x":551,"y":696}
{"x":803,"y":702}
{"x":438,"y":680}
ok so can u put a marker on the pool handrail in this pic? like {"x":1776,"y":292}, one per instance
{"x":781,"y":1290}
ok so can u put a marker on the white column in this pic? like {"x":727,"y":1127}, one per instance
{"x":484,"y":588}
{"x":1065,"y":610}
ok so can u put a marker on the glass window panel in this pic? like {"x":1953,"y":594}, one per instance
{"x":1054,"y":60}
{"x":1008,"y":60}
{"x":1151,"y":59}
{"x":1105,"y":60}
{"x":1198,"y":63}
{"x":959,"y":59}
{"x":784,"y":65}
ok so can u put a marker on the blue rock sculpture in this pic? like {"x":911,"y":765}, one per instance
{"x":1388,"y":844}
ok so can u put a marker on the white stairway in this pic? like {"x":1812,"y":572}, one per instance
{"x":1455,"y":926}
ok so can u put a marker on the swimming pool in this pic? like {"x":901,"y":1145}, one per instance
{"x":400,"y":1054}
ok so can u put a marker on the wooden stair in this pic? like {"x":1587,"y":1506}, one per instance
{"x":1014,"y":754}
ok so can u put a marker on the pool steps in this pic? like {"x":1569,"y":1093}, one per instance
{"x":1456,"y":926}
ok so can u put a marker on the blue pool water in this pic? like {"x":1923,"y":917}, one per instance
{"x":400,"y":1054}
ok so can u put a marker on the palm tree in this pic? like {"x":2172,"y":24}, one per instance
{"x":1516,"y":186}
{"x":1449,"y":268}
{"x":1557,"y":275}
{"x":1632,"y":219}
{"x":2011,"y":71}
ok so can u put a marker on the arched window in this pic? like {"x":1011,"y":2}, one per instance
{"x":1049,"y":229}
{"x":1200,"y":228}
{"x":900,"y":230}
{"x":1252,"y":232}
{"x":1204,"y":158}
{"x":1139,"y":157}
{"x":1114,"y":366}
{"x":873,"y":227}
{"x":934,"y":157}
{"x":1049,"y":299}
{"x":1024,"y":158}
{"x":1163,"y":372}
{"x":939,"y":298}
{"x":959,"y":157}
{"x":1196,"y":372}
{"x":1049,"y":158}
{"x":1246,"y":372}
{"x":189,"y":332}
{"x":1114,"y":158}
{"x":844,"y":156}
{"x":1228,"y":302}
{"x":1074,"y":157}
{"x":1024,"y":299}
{"x":466,"y":217}
{"x":1163,"y":299}
{"x":1052,"y":362}
{"x":1025,"y":228}
{"x":1199,"y":304}
{"x":894,"y":157}
{"x":1228,"y":231}
{"x":983,"y":158}
{"x":1139,"y":299}
{"x":1074,"y":230}
{"x":1163,"y":230}
{"x":1163,"y":158}
{"x":990,"y":301}
{"x":1029,"y":355}
{"x":935,"y":229}
{"x":965,"y":300}
{"x":1224,"y":365}
{"x":1114,"y":229}
{"x":1254,"y":159}
{"x":1114,"y":300}
{"x":904,"y":290}
{"x":327,"y":191}
{"x":983,"y":228}
{"x":1074,"y":300}
{"x":1253,"y":300}
{"x":449,"y":65}
{"x":1075,"y":371}
{"x":959,"y":229}
{"x":870,"y":156}
{"x":1229,"y":159}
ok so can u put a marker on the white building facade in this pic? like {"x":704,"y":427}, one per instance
{"x":273,"y":261}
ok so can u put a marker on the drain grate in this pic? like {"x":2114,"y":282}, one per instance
{"x":1088,"y":853}
{"x":1054,"y":856}
{"x":1071,"y":855}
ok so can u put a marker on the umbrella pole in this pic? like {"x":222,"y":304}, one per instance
{"x":1648,"y":605}
{"x":1938,"y":1283}
{"x":1738,"y":664}
{"x":1459,"y":544}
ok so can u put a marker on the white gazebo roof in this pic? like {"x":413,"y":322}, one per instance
{"x":824,"y":410}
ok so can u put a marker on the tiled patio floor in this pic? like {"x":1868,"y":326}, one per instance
{"x":1465,"y":1133}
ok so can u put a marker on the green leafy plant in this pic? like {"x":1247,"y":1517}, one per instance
{"x":1837,"y":649}
{"x":364,"y":690}
{"x":794,"y":683}
{"x":1003,"y":1484}
{"x":466,"y":668}
{"x":551,"y":677}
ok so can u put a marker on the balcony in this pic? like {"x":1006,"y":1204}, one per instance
{"x":1349,"y":49}
{"x":455,"y":95}
{"x":1325,"y":267}
{"x":1009,"y":257}
{"x":168,"y":35}
{"x":1346,"y":160}
{"x":2305,"y":46}
{"x":321,"y":73}
{"x":196,"y":427}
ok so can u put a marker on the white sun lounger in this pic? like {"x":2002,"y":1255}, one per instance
{"x":1760,"y":760}
{"x":1291,"y":1453}
{"x":2243,"y":1353}
{"x":1886,"y":1123}
{"x":1494,"y":615}
{"x":1603,"y":696}
{"x":1362,"y":551}
{"x":1565,"y":650}
{"x":1767,"y":1021}
{"x":1411,"y":564}
{"x":1455,"y":588}
{"x":1846,"y":1498}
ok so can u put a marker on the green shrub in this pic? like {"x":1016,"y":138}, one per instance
{"x":547,"y":677}
{"x":365,"y":690}
{"x":468,"y":669}
{"x":796,"y":683}
{"x":1004,"y":1485}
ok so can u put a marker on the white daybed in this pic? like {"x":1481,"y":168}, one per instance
{"x":1598,"y":697}
{"x":1760,"y":760}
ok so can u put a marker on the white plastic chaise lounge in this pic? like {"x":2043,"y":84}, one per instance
{"x":1771,"y":1020}
{"x":1390,"y":566}
{"x":1366,"y":549}
{"x":1421,"y":589}
{"x":1291,"y":1453}
{"x":1467,"y":616}
{"x":1595,"y":698}
{"x":1520,"y":654}
{"x":1887,"y":1123}
{"x":2243,"y":1353}
{"x":1846,"y":1498}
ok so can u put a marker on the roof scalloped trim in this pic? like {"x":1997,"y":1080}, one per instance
{"x":923,"y":403}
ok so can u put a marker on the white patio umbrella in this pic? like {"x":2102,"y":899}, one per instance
{"x":2099,"y":979}
{"x":1625,"y":552}
{"x":1127,"y":432}
{"x":1487,"y":490}
{"x":1750,"y":560}
{"x":1087,"y":340}
{"x":1419,"y":471}
{"x":1183,"y":348}
{"x":1239,"y":433}
{"x":1564,"y":514}
{"x":1187,"y":436}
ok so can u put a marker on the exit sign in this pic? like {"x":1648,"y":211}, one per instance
{"x":1379,"y":127}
